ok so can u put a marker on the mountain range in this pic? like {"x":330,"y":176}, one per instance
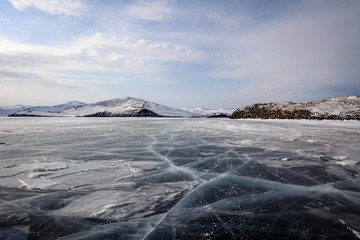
{"x":118,"y":107}
{"x":340,"y":108}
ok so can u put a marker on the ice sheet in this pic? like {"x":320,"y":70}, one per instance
{"x":142,"y":178}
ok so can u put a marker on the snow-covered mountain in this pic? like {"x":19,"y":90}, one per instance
{"x":339,"y":108}
{"x":127,"y":107}
{"x":118,"y":107}
{"x":209,"y":113}
{"x":50,"y":111}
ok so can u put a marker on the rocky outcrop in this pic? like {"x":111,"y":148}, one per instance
{"x":268,"y":111}
{"x":343,"y":108}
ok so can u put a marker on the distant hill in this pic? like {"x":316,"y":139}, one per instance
{"x":211,"y":113}
{"x":339,"y":108}
{"x":118,"y":107}
{"x":45,"y":111}
{"x":127,"y":107}
{"x":6,"y":110}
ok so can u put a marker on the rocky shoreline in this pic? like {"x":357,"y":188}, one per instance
{"x":342,"y":108}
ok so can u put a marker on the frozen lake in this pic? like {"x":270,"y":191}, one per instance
{"x":148,"y":178}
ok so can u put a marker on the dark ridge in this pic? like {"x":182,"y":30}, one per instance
{"x":26,"y":115}
{"x":223,"y":115}
{"x":141,"y":113}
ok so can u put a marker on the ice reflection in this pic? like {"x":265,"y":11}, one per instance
{"x":74,"y":178}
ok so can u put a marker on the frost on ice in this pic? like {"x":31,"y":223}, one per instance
{"x":75,"y":178}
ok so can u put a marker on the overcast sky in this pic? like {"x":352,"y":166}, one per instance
{"x":181,"y":53}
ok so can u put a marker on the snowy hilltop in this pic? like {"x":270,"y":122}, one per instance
{"x":118,"y":107}
{"x":339,"y":108}
{"x":127,"y":107}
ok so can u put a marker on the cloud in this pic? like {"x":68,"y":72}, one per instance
{"x":225,"y":19}
{"x":99,"y":52}
{"x":151,"y":10}
{"x":246,"y":51}
{"x":53,"y":7}
{"x":303,"y":55}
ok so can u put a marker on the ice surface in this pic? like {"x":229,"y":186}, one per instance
{"x":158,"y":178}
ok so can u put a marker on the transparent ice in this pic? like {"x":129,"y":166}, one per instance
{"x":158,"y":178}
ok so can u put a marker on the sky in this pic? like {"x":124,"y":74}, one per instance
{"x":180,"y":53}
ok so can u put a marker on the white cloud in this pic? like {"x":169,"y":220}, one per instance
{"x":53,"y":7}
{"x":296,"y":56}
{"x":151,"y":10}
{"x":99,"y":52}
{"x":225,"y":19}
